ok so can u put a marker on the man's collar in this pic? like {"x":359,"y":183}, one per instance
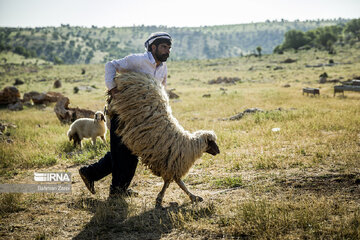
{"x":152,"y":59}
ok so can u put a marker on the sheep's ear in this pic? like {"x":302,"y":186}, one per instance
{"x":213,"y":148}
{"x":103,"y":118}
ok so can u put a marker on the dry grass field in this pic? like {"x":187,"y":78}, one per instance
{"x":300,"y":182}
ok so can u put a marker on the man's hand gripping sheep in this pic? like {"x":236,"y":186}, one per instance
{"x":150,"y":131}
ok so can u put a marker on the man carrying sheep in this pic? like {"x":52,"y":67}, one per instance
{"x":120,"y":162}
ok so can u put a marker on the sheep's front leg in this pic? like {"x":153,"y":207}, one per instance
{"x":93,"y":140}
{"x":192,"y":197}
{"x":78,"y":142}
{"x":103,"y":138}
{"x":161,"y":194}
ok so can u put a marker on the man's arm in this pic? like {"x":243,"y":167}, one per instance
{"x":111,"y":68}
{"x":110,"y":73}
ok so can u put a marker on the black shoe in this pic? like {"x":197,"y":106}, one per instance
{"x":88,"y":183}
{"x":120,"y":192}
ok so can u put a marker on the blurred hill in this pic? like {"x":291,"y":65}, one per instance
{"x":77,"y":45}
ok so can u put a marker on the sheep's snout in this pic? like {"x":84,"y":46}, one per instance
{"x":213,"y":148}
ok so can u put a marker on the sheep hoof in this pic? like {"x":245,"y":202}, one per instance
{"x":195,"y":199}
{"x":159,"y":206}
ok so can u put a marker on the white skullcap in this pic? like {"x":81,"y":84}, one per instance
{"x":154,"y":36}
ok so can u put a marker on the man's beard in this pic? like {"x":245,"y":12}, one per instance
{"x":161,"y":57}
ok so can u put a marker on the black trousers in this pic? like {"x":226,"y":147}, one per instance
{"x":120,"y":162}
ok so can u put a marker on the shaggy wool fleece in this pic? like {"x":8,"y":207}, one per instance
{"x":149,"y":129}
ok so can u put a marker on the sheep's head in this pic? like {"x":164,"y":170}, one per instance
{"x":99,"y":116}
{"x":213,"y":148}
{"x":209,"y":138}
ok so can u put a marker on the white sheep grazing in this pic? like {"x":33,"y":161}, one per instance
{"x":150,"y":131}
{"x":88,"y":128}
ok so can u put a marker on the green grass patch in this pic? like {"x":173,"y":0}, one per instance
{"x":228,"y":182}
{"x":10,"y":203}
{"x":306,"y":218}
{"x":84,"y":155}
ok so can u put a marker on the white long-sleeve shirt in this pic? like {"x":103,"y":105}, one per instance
{"x":143,"y":63}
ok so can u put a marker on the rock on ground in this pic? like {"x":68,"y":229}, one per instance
{"x":69,"y":115}
{"x":9,"y":95}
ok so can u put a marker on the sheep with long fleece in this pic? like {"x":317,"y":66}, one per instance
{"x":88,"y":128}
{"x":150,"y":131}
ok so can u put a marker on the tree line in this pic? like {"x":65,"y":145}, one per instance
{"x":322,"y":37}
{"x":73,"y":44}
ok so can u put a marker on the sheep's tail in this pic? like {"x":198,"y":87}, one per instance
{"x":73,"y":136}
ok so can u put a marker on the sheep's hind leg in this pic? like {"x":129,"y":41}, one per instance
{"x":161,"y":194}
{"x":192,"y":197}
